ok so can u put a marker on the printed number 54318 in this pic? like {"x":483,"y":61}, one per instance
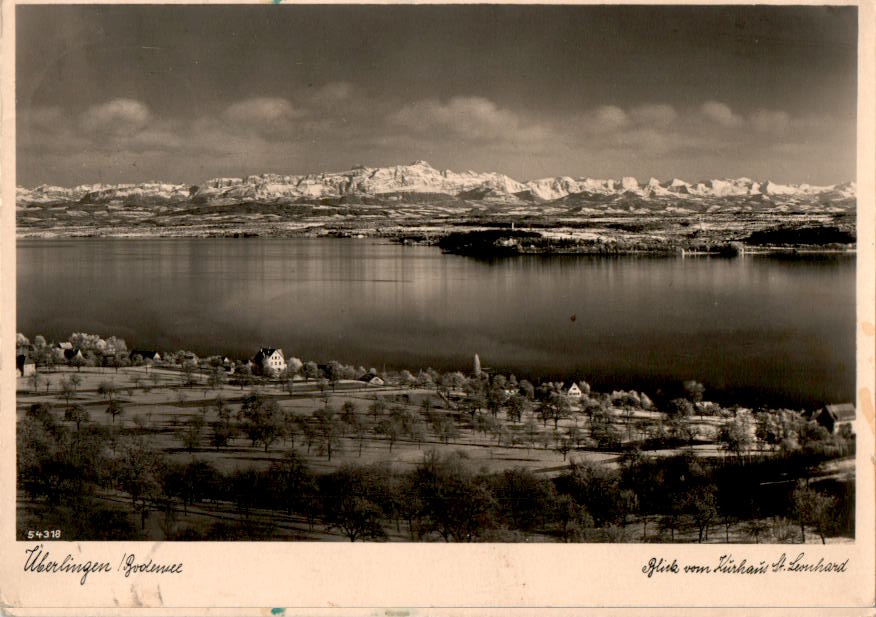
{"x":44,"y":534}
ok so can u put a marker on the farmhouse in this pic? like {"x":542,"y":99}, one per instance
{"x":574,"y":391}
{"x":269,"y":358}
{"x":835,"y":417}
{"x":371,"y":380}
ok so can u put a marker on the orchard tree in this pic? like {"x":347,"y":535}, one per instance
{"x":602,"y":429}
{"x":702,"y":506}
{"x":501,"y":432}
{"x":138,"y":471}
{"x":445,"y":428}
{"x":78,"y":361}
{"x":293,"y":482}
{"x":107,"y":390}
{"x":424,"y":380}
{"x":216,"y":378}
{"x":351,"y":503}
{"x":261,"y":418}
{"x":735,"y":437}
{"x":311,"y":370}
{"x":36,"y":380}
{"x":680,"y":407}
{"x":115,"y":408}
{"x":523,"y":499}
{"x":293,"y":367}
{"x":191,"y":433}
{"x":244,"y":376}
{"x":329,"y":429}
{"x":377,"y":407}
{"x":531,"y":430}
{"x":406,"y":378}
{"x":77,"y":414}
{"x":572,"y":518}
{"x":415,"y":429}
{"x":558,"y":407}
{"x":391,"y":428}
{"x":455,"y":504}
{"x":515,"y":407}
{"x":222,"y":430}
{"x":813,"y":508}
{"x":355,"y":422}
{"x":564,"y":446}
{"x":68,"y":391}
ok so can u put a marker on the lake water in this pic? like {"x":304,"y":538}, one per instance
{"x":753,"y":329}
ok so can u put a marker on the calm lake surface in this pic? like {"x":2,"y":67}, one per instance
{"x":753,"y":329}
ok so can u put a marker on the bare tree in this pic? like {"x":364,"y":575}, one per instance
{"x":115,"y":408}
{"x":77,"y":414}
{"x":329,"y":429}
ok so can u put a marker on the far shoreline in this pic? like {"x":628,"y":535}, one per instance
{"x":406,"y":237}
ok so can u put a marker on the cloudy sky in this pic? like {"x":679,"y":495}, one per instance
{"x":186,"y":93}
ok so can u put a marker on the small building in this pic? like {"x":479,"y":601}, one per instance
{"x":269,"y":358}
{"x":24,"y":365}
{"x":147,"y":355}
{"x":574,"y":391}
{"x":189,"y":358}
{"x":834,"y":417}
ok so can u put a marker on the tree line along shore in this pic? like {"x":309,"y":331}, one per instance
{"x":114,"y":445}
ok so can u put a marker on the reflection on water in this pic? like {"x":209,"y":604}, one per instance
{"x":756,"y":328}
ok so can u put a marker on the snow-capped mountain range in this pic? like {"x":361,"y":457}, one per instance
{"x":421,"y":179}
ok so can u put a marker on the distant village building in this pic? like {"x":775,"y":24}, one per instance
{"x":24,"y":365}
{"x":371,"y":380}
{"x":834,"y":417}
{"x":269,"y":358}
{"x":189,"y":357}
{"x":574,"y":391}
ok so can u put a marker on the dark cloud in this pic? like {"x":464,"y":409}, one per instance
{"x":128,"y":93}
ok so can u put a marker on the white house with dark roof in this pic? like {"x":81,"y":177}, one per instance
{"x":270,"y":358}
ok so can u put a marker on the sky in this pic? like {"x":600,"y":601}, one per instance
{"x":186,"y":93}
